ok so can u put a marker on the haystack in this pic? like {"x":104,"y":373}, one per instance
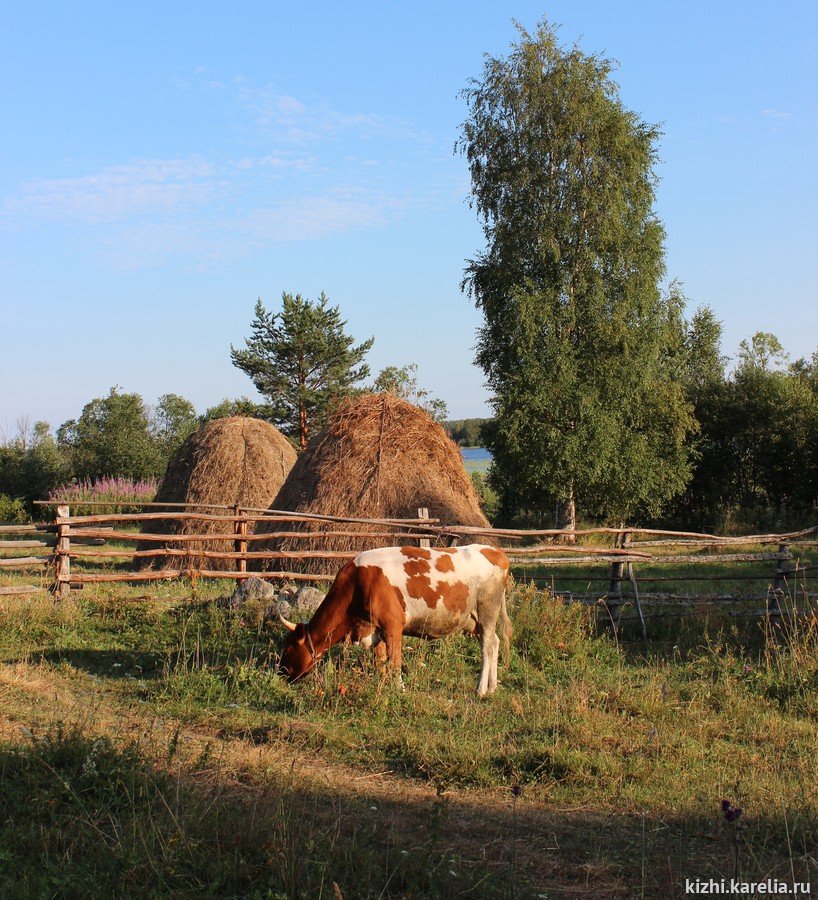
{"x":378,"y":457}
{"x":236,"y":460}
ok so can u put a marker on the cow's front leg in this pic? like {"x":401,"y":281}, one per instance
{"x":394,"y":650}
{"x":393,"y":639}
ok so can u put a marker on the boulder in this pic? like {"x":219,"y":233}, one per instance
{"x":253,"y":589}
{"x":306,"y":600}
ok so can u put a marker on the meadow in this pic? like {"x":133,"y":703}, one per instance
{"x":149,"y":748}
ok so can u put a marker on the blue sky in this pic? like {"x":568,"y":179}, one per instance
{"x":165,"y":164}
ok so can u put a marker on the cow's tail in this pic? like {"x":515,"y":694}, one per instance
{"x":506,"y":624}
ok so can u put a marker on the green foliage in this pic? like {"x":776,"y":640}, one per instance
{"x":301,"y":361}
{"x":576,"y":336}
{"x":173,"y":420}
{"x":702,"y":364}
{"x":402,"y":382}
{"x":757,"y":463}
{"x":240,"y":407}
{"x":112,"y":437}
{"x":466,"y":432}
{"x":763,"y":351}
{"x":12,"y":510}
{"x":489,"y":501}
{"x":31,"y":464}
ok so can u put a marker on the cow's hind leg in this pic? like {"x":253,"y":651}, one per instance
{"x":489,"y":651}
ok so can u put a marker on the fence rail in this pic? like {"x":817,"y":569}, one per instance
{"x":606,"y":556}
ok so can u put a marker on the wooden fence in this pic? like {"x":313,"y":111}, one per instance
{"x":74,"y":538}
{"x":606,"y":560}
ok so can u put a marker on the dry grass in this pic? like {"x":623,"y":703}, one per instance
{"x":379,"y":457}
{"x":596,"y":771}
{"x":236,"y":460}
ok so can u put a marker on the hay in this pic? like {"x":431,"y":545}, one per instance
{"x":378,"y":457}
{"x":236,"y":460}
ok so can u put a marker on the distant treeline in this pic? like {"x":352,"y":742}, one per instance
{"x":466,"y":432}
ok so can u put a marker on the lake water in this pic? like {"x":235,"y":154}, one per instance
{"x":475,"y":454}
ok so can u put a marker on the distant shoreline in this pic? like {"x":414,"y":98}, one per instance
{"x":475,"y":459}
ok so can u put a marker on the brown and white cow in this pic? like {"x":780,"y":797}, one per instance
{"x":386,"y":593}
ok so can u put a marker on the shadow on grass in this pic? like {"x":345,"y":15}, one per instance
{"x":84,"y":815}
{"x":118,"y":664}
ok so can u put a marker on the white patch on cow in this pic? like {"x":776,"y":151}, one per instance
{"x":478,"y":583}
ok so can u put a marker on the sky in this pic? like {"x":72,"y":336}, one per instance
{"x":164,"y":165}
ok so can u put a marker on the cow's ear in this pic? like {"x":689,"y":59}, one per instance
{"x":300,"y":632}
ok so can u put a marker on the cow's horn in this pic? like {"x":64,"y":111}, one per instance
{"x":290,"y":626}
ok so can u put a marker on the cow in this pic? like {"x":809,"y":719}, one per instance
{"x":385,"y":593}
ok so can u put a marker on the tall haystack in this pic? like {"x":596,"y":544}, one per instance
{"x":236,"y":460}
{"x":378,"y":457}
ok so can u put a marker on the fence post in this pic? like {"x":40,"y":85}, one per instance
{"x":617,"y":576}
{"x":240,"y":529}
{"x":782,"y":570}
{"x":62,"y":559}
{"x":423,"y":513}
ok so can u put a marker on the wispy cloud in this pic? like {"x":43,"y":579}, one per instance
{"x":116,"y":193}
{"x":292,"y":169}
{"x":302,"y":121}
{"x":776,"y":114}
{"x":313,"y":218}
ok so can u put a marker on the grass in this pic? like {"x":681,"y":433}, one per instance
{"x":89,"y":816}
{"x":476,"y":465}
{"x":742,"y":586}
{"x":151,"y":747}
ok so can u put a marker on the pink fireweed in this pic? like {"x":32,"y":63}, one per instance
{"x":120,"y":495}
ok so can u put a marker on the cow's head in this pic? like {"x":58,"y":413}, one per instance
{"x":298,"y":656}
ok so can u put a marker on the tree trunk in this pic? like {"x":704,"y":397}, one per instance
{"x":302,"y":427}
{"x":567,"y":515}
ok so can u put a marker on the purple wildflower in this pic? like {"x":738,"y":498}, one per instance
{"x":731,"y":813}
{"x":123,"y":494}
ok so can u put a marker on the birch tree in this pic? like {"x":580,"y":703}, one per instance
{"x":579,"y":344}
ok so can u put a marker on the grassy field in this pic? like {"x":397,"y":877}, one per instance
{"x":150,"y":750}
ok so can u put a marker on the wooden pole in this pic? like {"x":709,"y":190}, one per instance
{"x":615,"y":585}
{"x":782,"y":571}
{"x":62,"y":558}
{"x":637,"y":602}
{"x":423,"y":513}
{"x":241,"y":540}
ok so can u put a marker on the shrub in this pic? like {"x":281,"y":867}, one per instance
{"x":12,"y":510}
{"x":489,"y":501}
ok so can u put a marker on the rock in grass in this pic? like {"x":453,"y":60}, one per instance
{"x":258,"y":601}
{"x":252,"y":589}
{"x":306,"y":600}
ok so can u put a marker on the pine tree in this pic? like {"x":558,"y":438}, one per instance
{"x":301,"y":361}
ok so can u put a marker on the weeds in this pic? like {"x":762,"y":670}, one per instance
{"x":119,"y":495}
{"x":649,"y":738}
